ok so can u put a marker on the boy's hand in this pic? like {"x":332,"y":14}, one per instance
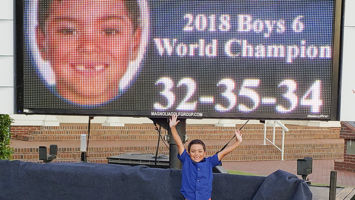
{"x":238,"y":136}
{"x":173,"y":121}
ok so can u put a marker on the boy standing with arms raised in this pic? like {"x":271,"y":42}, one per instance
{"x":196,"y":167}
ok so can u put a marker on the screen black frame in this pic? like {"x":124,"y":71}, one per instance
{"x":19,"y":76}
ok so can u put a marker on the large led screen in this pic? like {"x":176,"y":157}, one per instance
{"x":255,"y":59}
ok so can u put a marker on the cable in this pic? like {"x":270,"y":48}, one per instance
{"x":159,"y":133}
{"x":232,"y":137}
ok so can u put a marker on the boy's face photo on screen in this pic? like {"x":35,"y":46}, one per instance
{"x":89,"y":45}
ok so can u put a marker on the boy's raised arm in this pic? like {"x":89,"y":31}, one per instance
{"x":231,"y":147}
{"x":172,"y":123}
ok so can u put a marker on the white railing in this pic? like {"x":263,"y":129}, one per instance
{"x":284,"y":129}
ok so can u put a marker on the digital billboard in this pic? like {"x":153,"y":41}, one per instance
{"x":255,"y":59}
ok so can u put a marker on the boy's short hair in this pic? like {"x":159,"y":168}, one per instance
{"x":196,"y":141}
{"x":44,"y":6}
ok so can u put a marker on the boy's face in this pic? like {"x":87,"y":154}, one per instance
{"x":89,"y":44}
{"x":197,"y":153}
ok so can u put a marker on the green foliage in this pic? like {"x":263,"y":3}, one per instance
{"x":242,"y":173}
{"x":5,"y":135}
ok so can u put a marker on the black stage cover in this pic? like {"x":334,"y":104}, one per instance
{"x":25,"y":180}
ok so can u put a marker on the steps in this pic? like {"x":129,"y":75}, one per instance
{"x":300,"y":142}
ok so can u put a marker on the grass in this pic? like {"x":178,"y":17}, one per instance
{"x":319,"y":185}
{"x":325,"y":185}
{"x":242,"y":173}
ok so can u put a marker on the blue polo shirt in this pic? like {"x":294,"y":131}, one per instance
{"x":196,"y":183}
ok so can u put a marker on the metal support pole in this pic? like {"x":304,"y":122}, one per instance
{"x":273,"y":133}
{"x":83,"y":143}
{"x":174,"y":162}
{"x":265,"y":133}
{"x":84,"y":155}
{"x":283,"y":145}
{"x":333,"y":185}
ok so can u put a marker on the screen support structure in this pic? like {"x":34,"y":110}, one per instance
{"x":84,"y":155}
{"x":174,"y":162}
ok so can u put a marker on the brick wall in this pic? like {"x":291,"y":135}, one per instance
{"x":348,"y":133}
{"x":19,"y":131}
{"x":316,"y":142}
